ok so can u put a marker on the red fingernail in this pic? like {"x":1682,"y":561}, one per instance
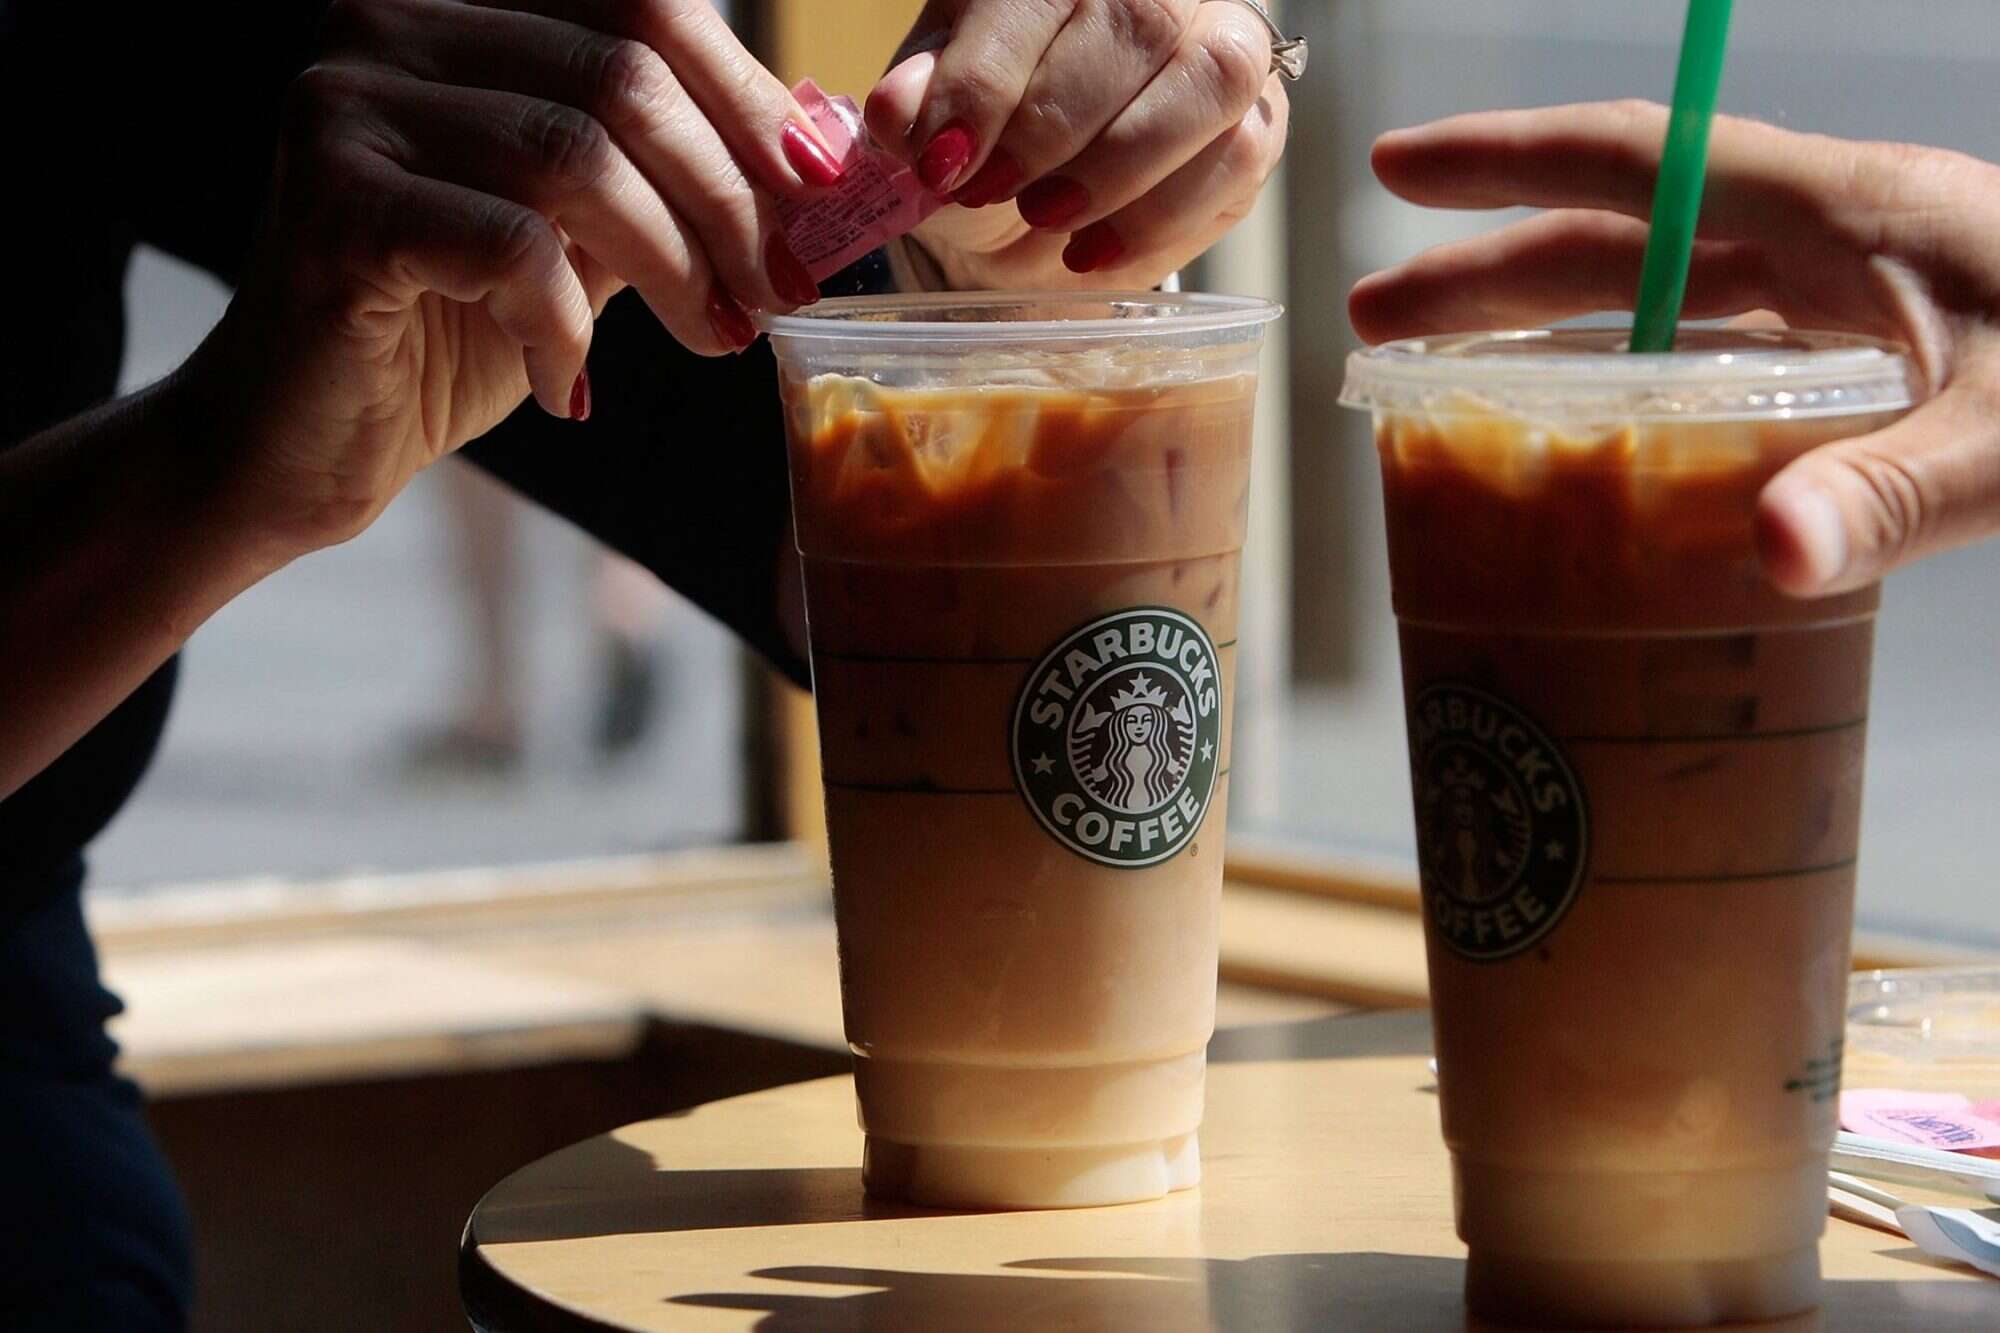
{"x":1096,"y":246}
{"x":945,"y":156}
{"x":579,"y":396}
{"x":991,"y":183}
{"x":726,"y":317}
{"x":789,"y":277}
{"x":1052,"y":201}
{"x":813,"y":163}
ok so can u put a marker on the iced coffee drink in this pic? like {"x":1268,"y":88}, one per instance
{"x":1636,"y":770}
{"x":1020,"y":525}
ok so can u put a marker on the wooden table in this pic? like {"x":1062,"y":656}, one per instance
{"x":1326,"y":1205}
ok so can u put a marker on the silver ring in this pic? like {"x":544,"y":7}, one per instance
{"x":1288,"y":54}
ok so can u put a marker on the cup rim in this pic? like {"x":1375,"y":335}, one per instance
{"x":875,"y":319}
{"x":1711,"y":374}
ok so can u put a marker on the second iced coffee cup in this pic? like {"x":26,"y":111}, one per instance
{"x":1637,"y":776}
{"x":1020,"y":519}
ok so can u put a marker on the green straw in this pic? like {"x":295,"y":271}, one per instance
{"x":1683,"y":164}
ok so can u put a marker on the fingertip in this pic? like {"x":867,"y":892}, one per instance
{"x":1801,"y":537}
{"x":897,"y":99}
{"x":552,"y":379}
{"x":1366,"y":302}
{"x":1389,"y":150}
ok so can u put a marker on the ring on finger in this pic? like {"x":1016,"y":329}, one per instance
{"x":1288,"y":54}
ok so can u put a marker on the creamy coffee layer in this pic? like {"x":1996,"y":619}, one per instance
{"x":1022,"y":607}
{"x":1637,"y":772}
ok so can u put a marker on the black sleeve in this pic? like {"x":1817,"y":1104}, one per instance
{"x":681,"y":466}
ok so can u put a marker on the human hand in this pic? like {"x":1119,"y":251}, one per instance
{"x":461,"y":187}
{"x":1116,"y":139}
{"x":1887,"y":239}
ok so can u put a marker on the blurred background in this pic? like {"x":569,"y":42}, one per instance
{"x":372,"y":709}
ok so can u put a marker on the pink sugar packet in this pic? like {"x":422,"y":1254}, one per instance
{"x":1929,"y":1119}
{"x":877,"y":198}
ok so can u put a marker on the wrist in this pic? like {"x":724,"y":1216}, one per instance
{"x":210,"y":466}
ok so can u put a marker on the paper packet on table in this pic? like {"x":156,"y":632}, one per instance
{"x":877,"y":198}
{"x":1943,"y":1120}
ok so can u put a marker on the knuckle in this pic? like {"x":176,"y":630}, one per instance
{"x":1154,"y":27}
{"x":1275,"y":109}
{"x":1245,"y":151}
{"x":632,"y":84}
{"x":570,"y":147}
{"x":1900,"y":505}
{"x":1638,"y":113}
{"x":316,"y":99}
{"x":513,"y":237}
{"x":1253,"y":147}
{"x":1044,"y":120}
{"x":1236,"y":61}
{"x":979,"y":85}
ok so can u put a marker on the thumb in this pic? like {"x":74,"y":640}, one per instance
{"x":896,"y":102}
{"x":898,"y":99}
{"x":1843,"y":515}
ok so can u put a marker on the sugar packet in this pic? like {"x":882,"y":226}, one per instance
{"x":1943,"y":1120}
{"x":877,"y":198}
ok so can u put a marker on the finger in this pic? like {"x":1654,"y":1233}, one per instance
{"x":1763,"y":183}
{"x":561,"y":162}
{"x":1546,"y":268}
{"x":1216,"y":74}
{"x":1843,"y":515}
{"x":977,"y":80}
{"x":417,"y":234}
{"x":895,"y":101}
{"x":1107,"y":53}
{"x":746,"y":106}
{"x":1192,"y":208}
{"x":626,"y":87}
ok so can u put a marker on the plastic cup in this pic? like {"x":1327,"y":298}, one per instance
{"x":1020,"y":519}
{"x":1636,"y":771}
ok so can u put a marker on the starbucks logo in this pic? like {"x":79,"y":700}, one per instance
{"x":1117,"y":733}
{"x":1502,"y":833}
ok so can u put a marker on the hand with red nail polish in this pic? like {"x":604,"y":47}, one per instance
{"x":733,"y":328}
{"x":1052,"y":201}
{"x":808,"y":156}
{"x":945,"y":157}
{"x":789,"y":277}
{"x":480,"y":254}
{"x":997,"y":180}
{"x":1089,"y":129}
{"x":1097,"y":246}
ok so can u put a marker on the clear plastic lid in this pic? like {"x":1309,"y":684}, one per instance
{"x":1936,"y":1013}
{"x":1586,"y":375}
{"x":1057,"y":339}
{"x":924,"y":321}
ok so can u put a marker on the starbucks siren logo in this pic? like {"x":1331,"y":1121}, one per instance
{"x":1502,"y":833}
{"x":1117,"y":734}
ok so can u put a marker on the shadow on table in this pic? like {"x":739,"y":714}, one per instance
{"x":1342,"y":1037}
{"x":1360,"y":1290}
{"x":1271,"y":1291}
{"x":602,"y":1187}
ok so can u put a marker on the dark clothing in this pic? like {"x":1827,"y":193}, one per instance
{"x":157,"y":124}
{"x":93,"y":1234}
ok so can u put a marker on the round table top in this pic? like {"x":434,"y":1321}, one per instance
{"x":1325,"y":1204}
